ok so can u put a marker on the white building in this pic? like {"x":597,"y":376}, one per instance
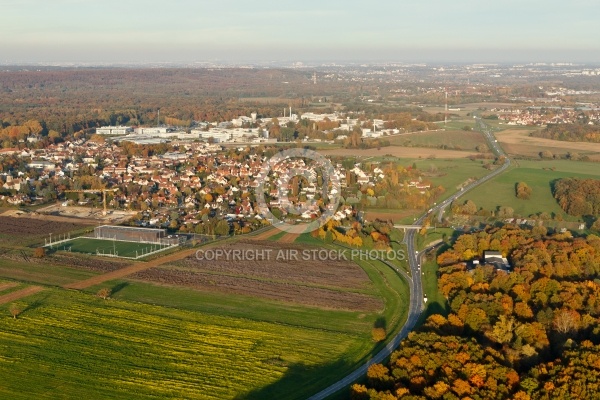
{"x":217,"y":136}
{"x":227,"y":135}
{"x":113,"y":130}
{"x":150,"y":130}
{"x":177,"y":135}
{"x":38,"y":164}
{"x":320,"y":117}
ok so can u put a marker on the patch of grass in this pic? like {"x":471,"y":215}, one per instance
{"x":459,"y":124}
{"x":436,"y":303}
{"x":433,"y":235}
{"x":395,"y":292}
{"x":306,"y":238}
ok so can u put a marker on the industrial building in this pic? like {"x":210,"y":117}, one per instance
{"x":114,"y":130}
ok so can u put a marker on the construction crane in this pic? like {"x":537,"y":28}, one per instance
{"x":103,"y":191}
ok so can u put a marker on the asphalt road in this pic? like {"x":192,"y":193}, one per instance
{"x":414,"y":280}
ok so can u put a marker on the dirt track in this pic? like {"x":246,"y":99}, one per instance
{"x":19,"y":294}
{"x":132,"y":269}
{"x":264,"y":235}
{"x":5,"y":286}
{"x":288,"y":238}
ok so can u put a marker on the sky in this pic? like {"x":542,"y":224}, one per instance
{"x":135,"y":31}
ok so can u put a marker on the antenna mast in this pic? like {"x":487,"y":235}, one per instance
{"x":446,"y":108}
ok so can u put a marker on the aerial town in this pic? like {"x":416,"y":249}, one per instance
{"x":299,"y":200}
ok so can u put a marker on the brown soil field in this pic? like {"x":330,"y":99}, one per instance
{"x":82,"y":262}
{"x":518,"y":141}
{"x":315,"y":282}
{"x":87,"y":215}
{"x":19,"y":294}
{"x":401,"y":152}
{"x":24,"y":226}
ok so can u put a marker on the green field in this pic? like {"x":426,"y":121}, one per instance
{"x":500,"y":191}
{"x":105,"y":246}
{"x":68,"y":344}
{"x":451,"y":173}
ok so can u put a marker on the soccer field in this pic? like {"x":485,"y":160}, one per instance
{"x":110,"y":247}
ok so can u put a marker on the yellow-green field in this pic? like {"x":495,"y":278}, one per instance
{"x":72,"y":345}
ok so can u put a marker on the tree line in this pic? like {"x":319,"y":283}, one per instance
{"x":577,"y":132}
{"x":578,"y":196}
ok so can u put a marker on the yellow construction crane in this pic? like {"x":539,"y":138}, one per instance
{"x":103,"y":191}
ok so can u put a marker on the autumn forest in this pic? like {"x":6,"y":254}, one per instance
{"x":533,"y":333}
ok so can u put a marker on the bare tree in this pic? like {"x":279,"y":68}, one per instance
{"x":566,"y":321}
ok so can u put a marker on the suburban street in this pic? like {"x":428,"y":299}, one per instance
{"x":416,"y":306}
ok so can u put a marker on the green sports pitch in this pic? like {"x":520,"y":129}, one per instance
{"x":107,"y":247}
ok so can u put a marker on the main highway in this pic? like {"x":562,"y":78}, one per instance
{"x":416,"y":306}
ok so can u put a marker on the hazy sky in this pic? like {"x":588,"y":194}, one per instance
{"x":235,"y":30}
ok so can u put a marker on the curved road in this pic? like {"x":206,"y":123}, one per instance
{"x":414,"y":281}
